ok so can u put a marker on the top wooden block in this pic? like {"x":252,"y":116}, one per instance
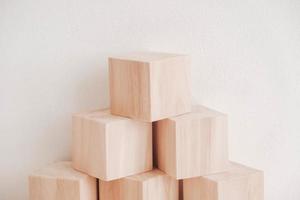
{"x":149,"y":86}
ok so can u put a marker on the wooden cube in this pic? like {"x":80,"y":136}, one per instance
{"x":192,"y":144}
{"x":110,"y":147}
{"x":147,"y":186}
{"x":60,"y":182}
{"x":149,"y":86}
{"x":238,"y":183}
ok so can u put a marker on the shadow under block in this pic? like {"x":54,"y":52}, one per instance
{"x":60,"y":182}
{"x":152,"y":185}
{"x":110,"y":147}
{"x":238,"y":183}
{"x":149,"y":86}
{"x":192,"y":144}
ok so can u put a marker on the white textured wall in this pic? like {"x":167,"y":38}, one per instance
{"x":246,"y":62}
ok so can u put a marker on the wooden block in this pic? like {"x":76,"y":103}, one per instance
{"x":192,"y":144}
{"x":60,"y":182}
{"x":147,"y":186}
{"x":110,"y":147}
{"x":149,"y":86}
{"x":238,"y":183}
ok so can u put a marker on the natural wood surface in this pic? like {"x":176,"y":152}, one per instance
{"x":152,"y":185}
{"x":238,"y":183}
{"x":149,"y":86}
{"x":60,"y":182}
{"x":151,"y":123}
{"x":192,"y":144}
{"x":110,"y":147}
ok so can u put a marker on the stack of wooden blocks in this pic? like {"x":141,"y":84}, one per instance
{"x":152,"y":144}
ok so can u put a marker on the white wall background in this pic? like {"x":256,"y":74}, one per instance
{"x":246,"y":62}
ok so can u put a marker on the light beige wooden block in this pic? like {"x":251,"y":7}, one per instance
{"x":152,"y":185}
{"x":149,"y":86}
{"x":110,"y":147}
{"x":238,"y":183}
{"x":60,"y":181}
{"x":192,"y":144}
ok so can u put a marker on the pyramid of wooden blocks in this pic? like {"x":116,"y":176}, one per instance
{"x":193,"y":144}
{"x":149,"y":86}
{"x":153,"y":185}
{"x":110,"y":147}
{"x":61,"y":182}
{"x":150,"y":122}
{"x":238,"y":183}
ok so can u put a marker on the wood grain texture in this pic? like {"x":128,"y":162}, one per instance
{"x":149,"y":86}
{"x":238,"y":183}
{"x":146,"y":186}
{"x":60,"y":182}
{"x":192,"y":144}
{"x":110,"y":147}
